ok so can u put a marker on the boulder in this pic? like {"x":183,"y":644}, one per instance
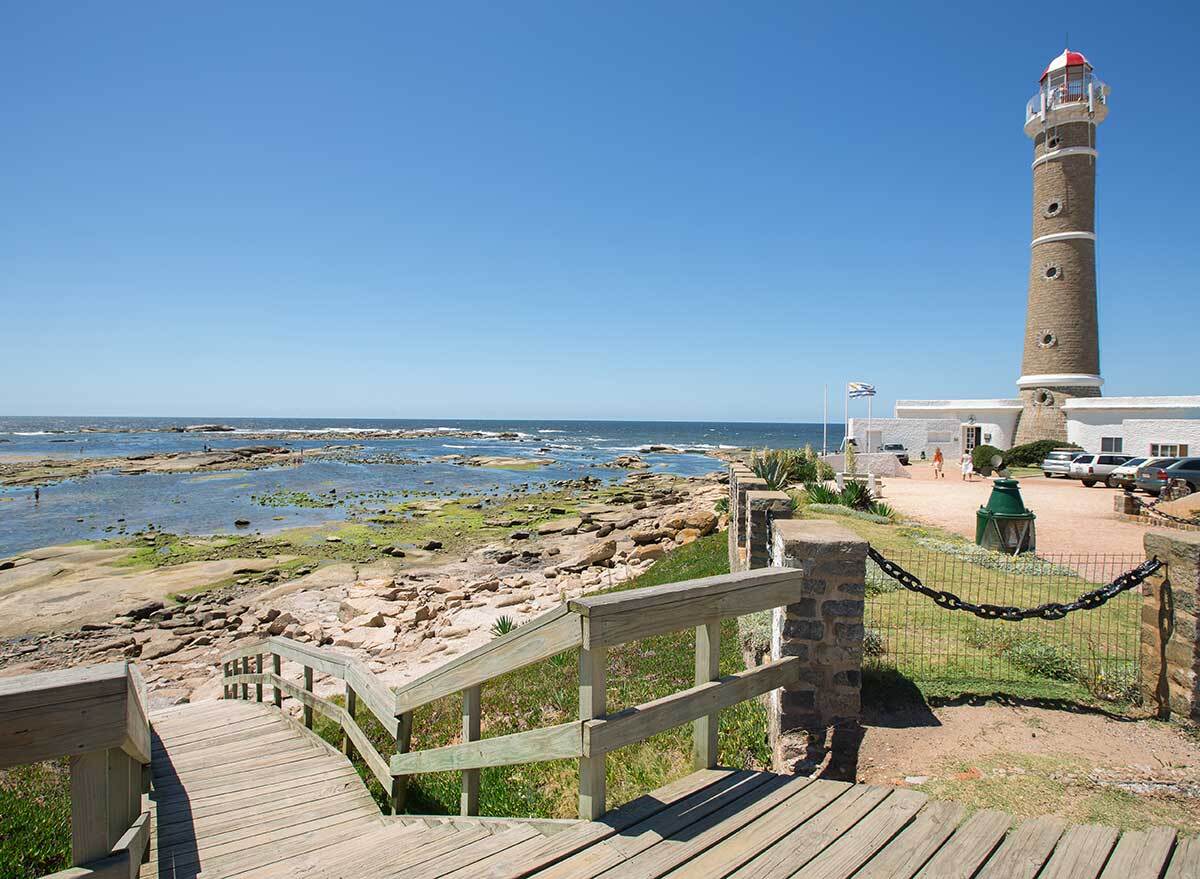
{"x":702,"y":520}
{"x":687,"y":535}
{"x":648,"y":552}
{"x":650,"y":535}
{"x":161,"y":644}
{"x":279,"y":625}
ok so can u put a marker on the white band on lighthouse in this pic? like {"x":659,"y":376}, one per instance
{"x":1063,"y":236}
{"x":1060,"y":380}
{"x":1065,"y":151}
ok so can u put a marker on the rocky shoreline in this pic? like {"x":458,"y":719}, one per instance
{"x":401,"y":615}
{"x":44,"y":471}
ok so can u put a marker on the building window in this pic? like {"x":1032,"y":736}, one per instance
{"x":1053,"y":272}
{"x":1052,"y":209}
{"x":1052,"y":142}
{"x":1111,"y":444}
{"x":1168,"y":450}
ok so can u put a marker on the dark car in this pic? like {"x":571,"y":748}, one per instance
{"x":1186,"y":470}
{"x":1152,"y":476}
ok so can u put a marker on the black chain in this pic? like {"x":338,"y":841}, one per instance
{"x":1152,"y":508}
{"x":1050,"y":611}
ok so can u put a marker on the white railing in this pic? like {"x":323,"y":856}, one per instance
{"x":1087,"y":89}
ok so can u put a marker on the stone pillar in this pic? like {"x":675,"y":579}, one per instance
{"x":763,"y":508}
{"x":824,"y":628}
{"x":741,"y":480}
{"x":1169,"y":645}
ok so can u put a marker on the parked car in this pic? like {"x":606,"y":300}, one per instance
{"x":1123,"y":476}
{"x":1187,"y":469}
{"x":1152,"y":476}
{"x":896,"y":449}
{"x":1058,"y":462}
{"x":1090,"y":469}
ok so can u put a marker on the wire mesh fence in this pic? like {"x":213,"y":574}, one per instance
{"x":1094,"y":649}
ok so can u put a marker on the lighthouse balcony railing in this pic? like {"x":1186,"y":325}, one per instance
{"x":1082,"y":90}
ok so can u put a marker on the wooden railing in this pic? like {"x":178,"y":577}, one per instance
{"x":592,"y":625}
{"x":361,"y":684}
{"x":97,"y":717}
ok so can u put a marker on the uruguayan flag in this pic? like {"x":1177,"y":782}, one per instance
{"x":860,"y":389}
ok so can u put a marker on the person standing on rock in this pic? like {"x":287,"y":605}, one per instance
{"x":939,"y":461}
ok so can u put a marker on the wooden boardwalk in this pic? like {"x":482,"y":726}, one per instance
{"x":241,"y":790}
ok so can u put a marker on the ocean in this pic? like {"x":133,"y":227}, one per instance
{"x":107,"y":504}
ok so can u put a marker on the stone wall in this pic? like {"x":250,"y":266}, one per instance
{"x":1169,"y":644}
{"x":819,"y":719}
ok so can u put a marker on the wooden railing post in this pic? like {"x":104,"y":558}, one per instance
{"x":469,"y":801}
{"x":403,"y":741}
{"x":258,"y":666}
{"x":351,"y":709}
{"x":308,"y":685}
{"x":708,"y":662}
{"x":593,"y":674}
{"x":277,"y":669}
{"x":89,"y":812}
{"x":225,"y":672}
{"x":245,"y":671}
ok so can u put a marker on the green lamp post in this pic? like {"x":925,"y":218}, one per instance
{"x":1004,"y":523}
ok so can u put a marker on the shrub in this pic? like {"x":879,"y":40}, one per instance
{"x":879,"y":508}
{"x":721,"y":506}
{"x":1032,"y":454}
{"x":851,"y":459}
{"x":780,"y":468}
{"x":873,"y":643}
{"x":839,"y":510}
{"x":981,"y":459}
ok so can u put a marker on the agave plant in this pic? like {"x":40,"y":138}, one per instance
{"x":819,"y":493}
{"x":772,"y":466}
{"x":856,"y":496}
{"x":503,"y":626}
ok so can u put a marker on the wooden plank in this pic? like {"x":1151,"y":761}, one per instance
{"x":1081,"y":852}
{"x":534,"y":854}
{"x":916,"y":844}
{"x":762,"y":833}
{"x":258,"y":667}
{"x":245,"y":671}
{"x":323,"y":660}
{"x":469,"y":855}
{"x":373,"y":693}
{"x":679,"y":848}
{"x":532,"y":746}
{"x":357,"y":861}
{"x":857,"y":845}
{"x":593,"y":679}
{"x":615,"y":851}
{"x":469,"y":798}
{"x":276,"y":666}
{"x":539,"y":639}
{"x":89,"y":807}
{"x":1185,"y":861}
{"x":639,"y":723}
{"x":352,"y":711}
{"x":1141,"y":854}
{"x":1025,"y":851}
{"x":137,"y":724}
{"x":251,"y":788}
{"x":34,"y":690}
{"x":57,"y":729}
{"x":619,"y":617}
{"x":241,"y":806}
{"x":708,"y":668}
{"x":970,"y":846}
{"x":814,"y":835}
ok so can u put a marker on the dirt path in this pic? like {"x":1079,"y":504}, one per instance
{"x":1070,"y":518}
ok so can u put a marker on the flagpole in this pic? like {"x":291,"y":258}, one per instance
{"x":869,"y":399}
{"x":846,"y":421}
{"x":825,"y":424}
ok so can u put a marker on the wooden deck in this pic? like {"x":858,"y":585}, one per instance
{"x":240,"y":790}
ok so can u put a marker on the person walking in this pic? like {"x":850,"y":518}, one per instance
{"x":968,"y":468}
{"x":938,"y":462}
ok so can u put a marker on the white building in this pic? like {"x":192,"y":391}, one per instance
{"x":1130,"y":425}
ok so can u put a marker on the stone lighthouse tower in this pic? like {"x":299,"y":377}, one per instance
{"x":1062,"y":350}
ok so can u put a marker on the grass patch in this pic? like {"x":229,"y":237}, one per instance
{"x":35,"y":819}
{"x":547,"y":693}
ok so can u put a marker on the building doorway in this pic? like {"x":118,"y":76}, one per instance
{"x":972,"y":436}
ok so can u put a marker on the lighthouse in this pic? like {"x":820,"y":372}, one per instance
{"x":1062,"y":348}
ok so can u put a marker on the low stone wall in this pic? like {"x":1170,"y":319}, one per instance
{"x":878,"y":463}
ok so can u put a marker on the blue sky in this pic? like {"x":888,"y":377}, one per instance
{"x":579,"y":210}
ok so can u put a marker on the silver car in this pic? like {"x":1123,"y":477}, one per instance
{"x":1090,"y":469}
{"x":1123,"y":476}
{"x":1058,"y":462}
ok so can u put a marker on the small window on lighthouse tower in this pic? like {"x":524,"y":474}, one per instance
{"x":1053,"y":208}
{"x":1052,"y":142}
{"x":1052,"y":272}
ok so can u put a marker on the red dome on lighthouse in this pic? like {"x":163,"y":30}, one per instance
{"x":1066,"y":59}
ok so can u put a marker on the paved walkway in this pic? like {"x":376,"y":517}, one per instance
{"x":1070,"y":518}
